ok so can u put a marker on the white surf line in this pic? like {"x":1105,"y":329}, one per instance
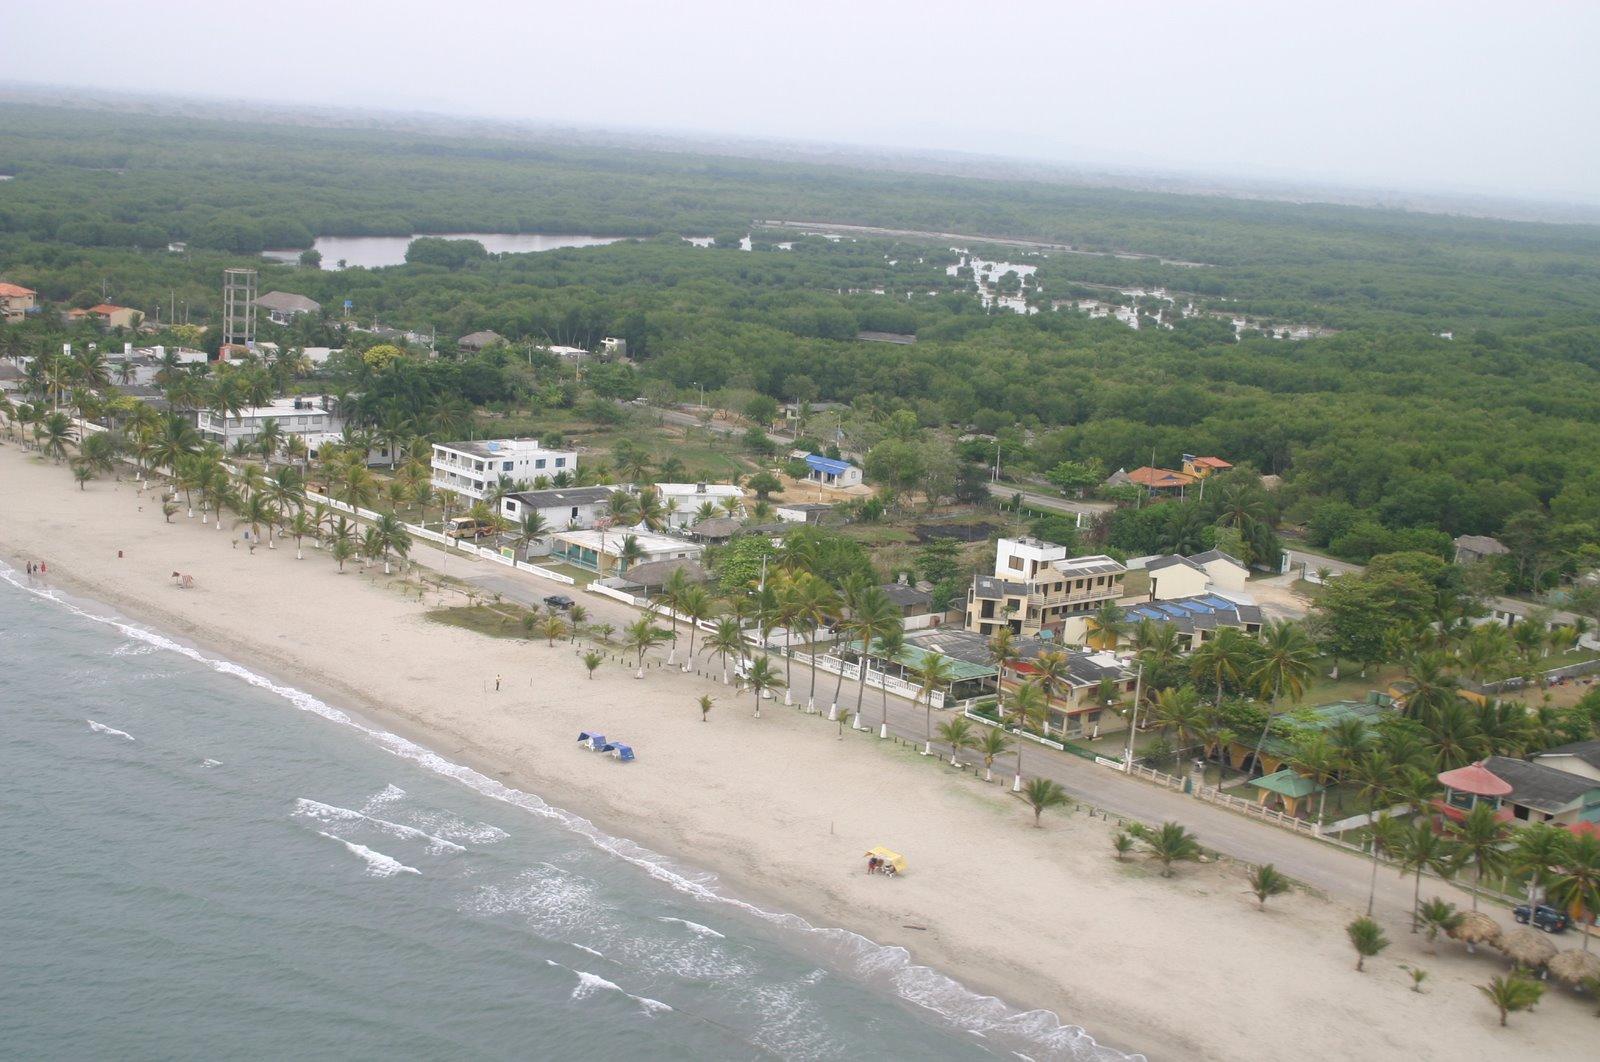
{"x":861,"y":956}
{"x":378,"y":864}
{"x":704,"y":931}
{"x":588,"y":984}
{"x":101,"y":728}
{"x":315,"y":809}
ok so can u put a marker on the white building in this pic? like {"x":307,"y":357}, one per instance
{"x":600,"y":550}
{"x":297,"y":415}
{"x":683,"y":500}
{"x":473,"y":468}
{"x":563,"y":508}
{"x":1173,"y":577}
{"x":827,"y":472}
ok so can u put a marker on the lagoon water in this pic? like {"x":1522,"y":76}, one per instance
{"x":201,"y":862}
{"x":374,"y":252}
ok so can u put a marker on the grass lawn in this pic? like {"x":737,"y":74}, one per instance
{"x":1349,"y":686}
{"x":496,"y":621}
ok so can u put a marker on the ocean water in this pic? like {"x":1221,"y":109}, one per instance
{"x":200,"y":862}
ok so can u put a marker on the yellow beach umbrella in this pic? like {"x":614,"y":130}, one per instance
{"x":894,"y":859}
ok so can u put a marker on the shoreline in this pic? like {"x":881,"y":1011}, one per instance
{"x":1180,"y":968}
{"x":729,"y":888}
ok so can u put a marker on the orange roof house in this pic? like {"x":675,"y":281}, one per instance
{"x":1204,"y":466}
{"x":1161,"y":478}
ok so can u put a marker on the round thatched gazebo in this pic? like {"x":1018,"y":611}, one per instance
{"x":1476,"y":928}
{"x":1527,"y":948}
{"x":1571,"y":968}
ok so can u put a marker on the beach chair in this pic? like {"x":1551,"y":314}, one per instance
{"x":594,"y":741}
{"x":622,"y":752}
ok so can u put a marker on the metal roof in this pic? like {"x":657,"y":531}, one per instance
{"x":562,"y":497}
{"x":828,"y":464}
{"x":1538,"y":786}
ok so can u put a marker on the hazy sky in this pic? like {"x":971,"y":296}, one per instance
{"x":1451,"y":95}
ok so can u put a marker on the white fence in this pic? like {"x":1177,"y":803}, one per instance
{"x":877,"y":679}
{"x":976,"y":718}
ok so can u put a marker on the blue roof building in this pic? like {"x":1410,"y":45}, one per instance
{"x":830,"y":472}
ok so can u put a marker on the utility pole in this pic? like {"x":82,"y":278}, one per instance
{"x":1133,"y":721}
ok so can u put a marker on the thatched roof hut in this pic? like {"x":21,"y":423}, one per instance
{"x":1571,"y":967}
{"x":1476,"y":928}
{"x":1527,"y":948}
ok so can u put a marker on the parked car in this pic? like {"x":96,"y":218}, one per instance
{"x":1550,"y":919}
{"x":560,"y":601}
{"x":468,"y":527}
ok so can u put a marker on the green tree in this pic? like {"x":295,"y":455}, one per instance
{"x":1511,"y":993}
{"x":1042,"y":793}
{"x":1266,"y":882}
{"x":1170,"y":844}
{"x":1481,"y":837}
{"x":1368,"y":938}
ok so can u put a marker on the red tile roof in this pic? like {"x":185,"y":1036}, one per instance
{"x":13,"y":290}
{"x":1476,"y":779}
{"x":106,"y":308}
{"x":1160,"y":478}
{"x":1210,"y":462}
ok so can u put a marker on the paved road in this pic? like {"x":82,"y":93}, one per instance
{"x":1341,"y":874}
{"x":1086,"y":510}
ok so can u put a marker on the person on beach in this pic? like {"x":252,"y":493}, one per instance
{"x":497,"y":683}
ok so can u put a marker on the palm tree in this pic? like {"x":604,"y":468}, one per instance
{"x":761,"y":676}
{"x":1003,"y":652}
{"x":873,"y":616}
{"x":1266,"y":882}
{"x":1050,"y":669}
{"x":1438,"y":915}
{"x":392,"y":535}
{"x":992,"y":744}
{"x":1536,"y":850}
{"x":695,"y":606}
{"x":1420,"y":847}
{"x":1576,"y":886}
{"x":935,"y":672}
{"x":814,"y":603}
{"x":55,"y":432}
{"x":1367,"y":937}
{"x":1170,"y":844}
{"x":726,"y":639}
{"x":1286,"y":664}
{"x":269,"y":438}
{"x":705,"y":702}
{"x":651,"y":511}
{"x":1042,"y":793}
{"x":1481,"y":835}
{"x":343,"y":549}
{"x":1029,"y":709}
{"x":672,"y":591}
{"x":890,"y":645}
{"x":1177,"y":710}
{"x":1222,"y":659}
{"x":552,"y":627}
{"x":257,"y":509}
{"x":1107,"y":626}
{"x":1512,"y":992}
{"x":642,"y":635}
{"x":592,"y":661}
{"x":629,"y":553}
{"x":82,"y":473}
{"x":957,"y":733}
{"x":1122,"y":844}
{"x":532,"y":528}
{"x":300,"y":525}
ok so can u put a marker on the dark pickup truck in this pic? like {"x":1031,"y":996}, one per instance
{"x":1550,"y":919}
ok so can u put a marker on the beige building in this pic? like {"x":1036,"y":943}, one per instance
{"x":1172,"y":576}
{"x":16,"y":301}
{"x":1037,"y":587}
{"x":108,"y":316}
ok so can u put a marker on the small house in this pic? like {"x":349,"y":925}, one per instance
{"x":829,"y":472}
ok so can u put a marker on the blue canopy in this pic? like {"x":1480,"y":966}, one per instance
{"x":623,"y":752}
{"x":585,"y":736}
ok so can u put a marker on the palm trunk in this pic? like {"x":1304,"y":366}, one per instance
{"x":833,"y":709}
{"x":788,"y":664}
{"x":811,"y":698}
{"x":688,"y":663}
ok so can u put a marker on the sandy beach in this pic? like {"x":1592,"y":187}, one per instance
{"x":1180,"y":968}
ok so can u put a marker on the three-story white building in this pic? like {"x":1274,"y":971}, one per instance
{"x":473,"y":468}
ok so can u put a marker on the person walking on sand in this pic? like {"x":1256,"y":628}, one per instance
{"x":497,"y":683}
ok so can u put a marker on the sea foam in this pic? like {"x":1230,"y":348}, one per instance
{"x":937,"y":993}
{"x":378,"y":864}
{"x":101,"y":728}
{"x":315,"y":809}
{"x":704,"y":931}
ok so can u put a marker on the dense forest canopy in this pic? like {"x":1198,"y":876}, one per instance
{"x":1382,"y":428}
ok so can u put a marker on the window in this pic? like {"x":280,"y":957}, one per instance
{"x":1015,"y":563}
{"x":539,"y":463}
{"x":561,"y":462}
{"x":574,"y":515}
{"x":505,"y":466}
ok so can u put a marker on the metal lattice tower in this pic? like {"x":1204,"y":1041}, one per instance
{"x":239,"y":306}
